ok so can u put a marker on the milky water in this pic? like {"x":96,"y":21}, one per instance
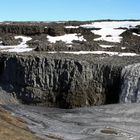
{"x":130,"y":89}
{"x":89,"y":123}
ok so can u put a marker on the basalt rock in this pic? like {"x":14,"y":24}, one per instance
{"x":9,"y":39}
{"x":22,"y":29}
{"x":56,"y":30}
{"x":60,"y":80}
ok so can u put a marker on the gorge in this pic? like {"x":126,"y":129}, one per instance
{"x":70,"y":80}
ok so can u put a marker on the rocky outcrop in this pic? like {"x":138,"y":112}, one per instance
{"x":69,"y":81}
{"x":60,"y":81}
{"x":9,"y":40}
{"x":52,"y":29}
{"x":88,"y":35}
{"x":131,"y":40}
{"x":55,"y":30}
{"x":22,"y":29}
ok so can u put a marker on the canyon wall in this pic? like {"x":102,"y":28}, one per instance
{"x":60,"y":81}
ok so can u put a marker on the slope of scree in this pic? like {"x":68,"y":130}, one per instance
{"x":14,"y":128}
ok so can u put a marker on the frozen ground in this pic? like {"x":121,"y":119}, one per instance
{"x":108,"y":36}
{"x":106,"y":46}
{"x":136,"y":34}
{"x":98,"y":52}
{"x":112,"y":24}
{"x":111,"y":122}
{"x":68,"y":38}
{"x":71,"y":27}
{"x":110,"y":30}
{"x":22,"y":47}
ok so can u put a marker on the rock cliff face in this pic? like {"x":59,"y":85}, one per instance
{"x":60,"y":81}
{"x":22,"y":29}
{"x":68,"y":80}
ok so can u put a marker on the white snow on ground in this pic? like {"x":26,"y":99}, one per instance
{"x":71,"y":27}
{"x":68,"y":38}
{"x":109,"y":31}
{"x":69,"y":45}
{"x":123,"y":48}
{"x":106,"y":46}
{"x":24,"y":39}
{"x":22,"y":47}
{"x":112,"y":24}
{"x":98,"y":52}
{"x":110,"y":35}
{"x":19,"y":50}
{"x":7,"y":23}
{"x":136,"y":34}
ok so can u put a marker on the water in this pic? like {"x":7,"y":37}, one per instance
{"x":117,"y":122}
{"x":130,"y":89}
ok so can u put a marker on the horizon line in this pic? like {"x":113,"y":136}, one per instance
{"x":126,"y":19}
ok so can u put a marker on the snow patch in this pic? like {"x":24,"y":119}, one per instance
{"x":7,"y":23}
{"x":69,"y":45}
{"x":24,"y":39}
{"x":22,"y":47}
{"x":123,"y":48}
{"x":109,"y":35}
{"x":19,"y":50}
{"x":97,"y":52}
{"x":136,"y":34}
{"x":112,"y":24}
{"x":106,"y":46}
{"x":71,"y":27}
{"x":110,"y":30}
{"x":68,"y":38}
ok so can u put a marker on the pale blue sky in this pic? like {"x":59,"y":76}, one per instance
{"x":52,"y":10}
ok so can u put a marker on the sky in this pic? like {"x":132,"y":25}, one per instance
{"x":60,"y":10}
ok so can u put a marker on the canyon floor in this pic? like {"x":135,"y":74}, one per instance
{"x":110,"y":122}
{"x":14,"y":128}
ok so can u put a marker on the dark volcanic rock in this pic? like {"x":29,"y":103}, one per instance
{"x":56,"y":30}
{"x":8,"y":39}
{"x":23,"y":29}
{"x":88,"y":35}
{"x":62,"y":81}
{"x":62,"y":46}
{"x":132,"y":42}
